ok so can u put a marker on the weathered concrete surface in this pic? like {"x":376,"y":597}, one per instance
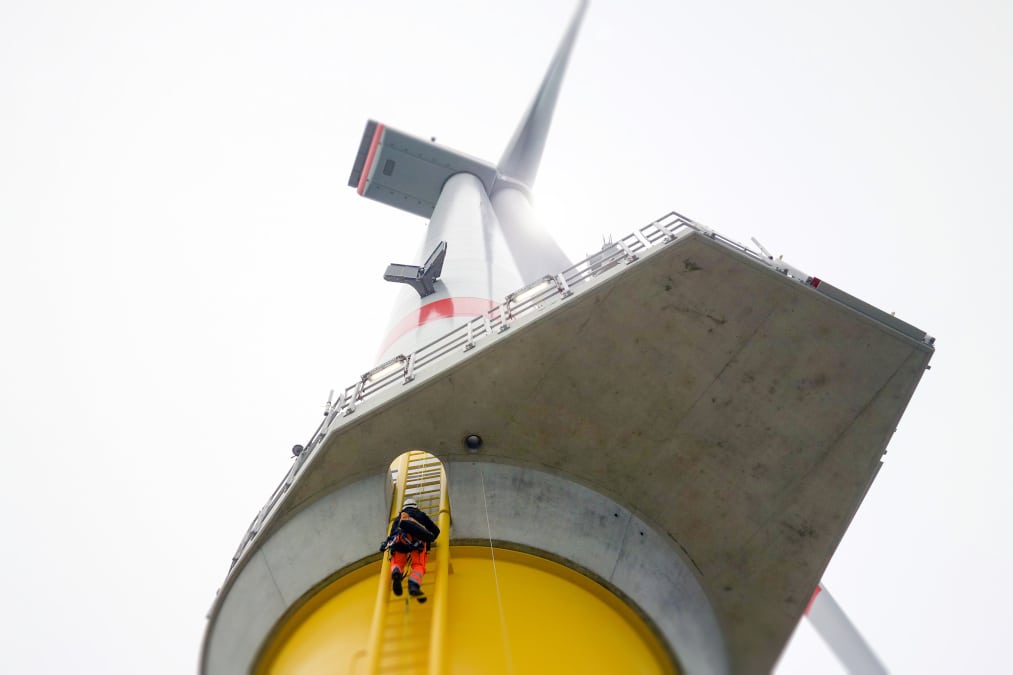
{"x":736,"y":411}
{"x":531,"y":510}
{"x":245,"y":616}
{"x":334,"y":533}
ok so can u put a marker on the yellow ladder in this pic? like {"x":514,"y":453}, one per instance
{"x":406,"y":637}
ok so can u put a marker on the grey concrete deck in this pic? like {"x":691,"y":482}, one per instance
{"x":737,"y":411}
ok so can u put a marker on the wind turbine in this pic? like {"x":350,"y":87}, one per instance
{"x":483,"y":239}
{"x":677,"y":426}
{"x":485,"y":211}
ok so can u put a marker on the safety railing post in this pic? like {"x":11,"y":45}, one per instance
{"x":470,"y":342}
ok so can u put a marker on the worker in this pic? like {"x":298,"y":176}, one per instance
{"x":411,"y":533}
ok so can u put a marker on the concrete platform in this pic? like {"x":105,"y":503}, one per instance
{"x":737,"y":411}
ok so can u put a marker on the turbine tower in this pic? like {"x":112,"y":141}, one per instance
{"x":483,"y":236}
{"x":639,"y":462}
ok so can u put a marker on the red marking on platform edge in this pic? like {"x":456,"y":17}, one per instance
{"x":369,"y":158}
{"x":434,"y":311}
{"x":812,"y":600}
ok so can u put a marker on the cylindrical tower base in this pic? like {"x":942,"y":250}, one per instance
{"x":509,"y":612}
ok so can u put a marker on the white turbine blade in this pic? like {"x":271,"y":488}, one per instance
{"x":841,"y":636}
{"x":524,"y":152}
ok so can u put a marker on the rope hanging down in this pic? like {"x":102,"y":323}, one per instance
{"x":495,"y":575}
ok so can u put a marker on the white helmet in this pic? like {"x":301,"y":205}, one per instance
{"x":410,"y":503}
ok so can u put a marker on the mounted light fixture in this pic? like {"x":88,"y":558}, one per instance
{"x":532,"y":290}
{"x":386,"y":368}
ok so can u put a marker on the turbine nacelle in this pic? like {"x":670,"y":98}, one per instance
{"x":408,"y":172}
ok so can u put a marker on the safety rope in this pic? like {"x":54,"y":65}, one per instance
{"x":495,"y":576}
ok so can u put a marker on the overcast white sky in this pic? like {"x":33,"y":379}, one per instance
{"x":185,"y":275}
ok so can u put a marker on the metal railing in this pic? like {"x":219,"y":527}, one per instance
{"x":532,"y":298}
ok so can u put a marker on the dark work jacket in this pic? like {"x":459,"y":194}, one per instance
{"x":412,"y":543}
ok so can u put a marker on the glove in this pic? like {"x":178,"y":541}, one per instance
{"x":383,"y":545}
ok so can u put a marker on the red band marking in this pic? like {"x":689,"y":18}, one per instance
{"x":434,"y":311}
{"x":812,"y":600}
{"x":369,"y":158}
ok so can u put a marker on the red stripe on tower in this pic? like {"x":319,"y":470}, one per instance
{"x":434,"y":311}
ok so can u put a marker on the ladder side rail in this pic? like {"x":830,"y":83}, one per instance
{"x":380,"y":606}
{"x":437,"y":636}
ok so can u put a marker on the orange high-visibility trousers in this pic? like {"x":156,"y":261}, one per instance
{"x":398,"y":562}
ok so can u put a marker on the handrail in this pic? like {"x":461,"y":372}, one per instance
{"x":670,"y":227}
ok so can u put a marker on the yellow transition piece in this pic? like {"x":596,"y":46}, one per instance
{"x":509,"y":613}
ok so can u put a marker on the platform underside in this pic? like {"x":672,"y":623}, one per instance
{"x":740,"y":412}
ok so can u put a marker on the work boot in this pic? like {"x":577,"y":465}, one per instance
{"x":396,"y":577}
{"x":413,"y":588}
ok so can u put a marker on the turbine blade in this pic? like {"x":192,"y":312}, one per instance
{"x":524,"y":152}
{"x":840,"y":634}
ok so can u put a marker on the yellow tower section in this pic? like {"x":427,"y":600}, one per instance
{"x":489,"y":610}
